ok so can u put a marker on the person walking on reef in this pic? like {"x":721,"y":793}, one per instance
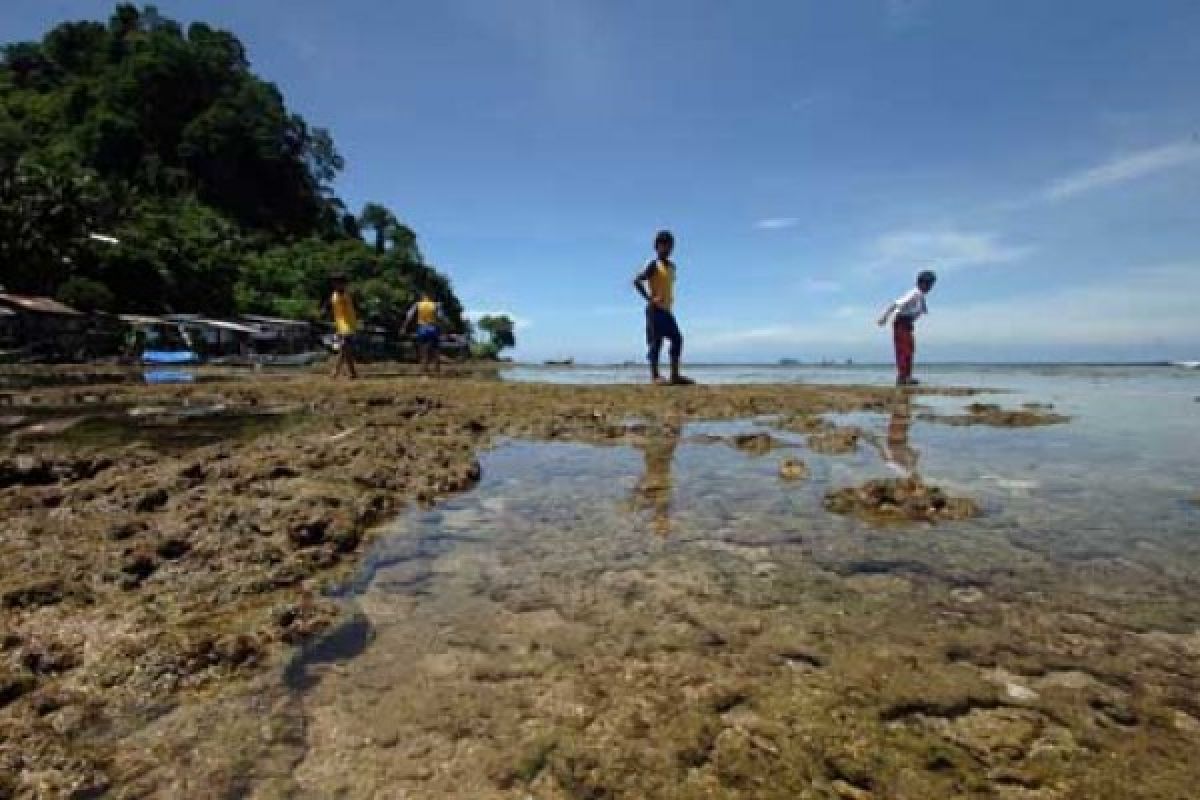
{"x":345,"y":322}
{"x":427,"y":315}
{"x":907,"y":309}
{"x":656,"y":284}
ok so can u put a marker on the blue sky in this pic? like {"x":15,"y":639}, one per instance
{"x":1043,"y":157}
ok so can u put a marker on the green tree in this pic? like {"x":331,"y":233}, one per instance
{"x":221,"y":196}
{"x":500,"y":329}
{"x":380,"y":221}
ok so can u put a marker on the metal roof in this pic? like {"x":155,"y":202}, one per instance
{"x":141,"y":319}
{"x":261,"y":320}
{"x":38,"y":305}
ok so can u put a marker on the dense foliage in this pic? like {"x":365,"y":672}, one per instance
{"x":220,"y":199}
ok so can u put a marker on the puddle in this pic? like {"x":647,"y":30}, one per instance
{"x":672,"y":619}
{"x":167,"y":429}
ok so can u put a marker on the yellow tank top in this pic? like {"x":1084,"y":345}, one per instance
{"x":662,"y":284}
{"x":427,"y":312}
{"x":344,"y":317}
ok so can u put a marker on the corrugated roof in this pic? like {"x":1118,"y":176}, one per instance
{"x":38,"y":305}
{"x":274,"y":320}
{"x":141,"y":319}
{"x":237,"y":327}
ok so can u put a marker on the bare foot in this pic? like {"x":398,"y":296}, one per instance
{"x":682,"y":380}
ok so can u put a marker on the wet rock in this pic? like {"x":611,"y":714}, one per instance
{"x":1028,"y":416}
{"x":793,"y":469}
{"x":14,"y":683}
{"x":236,"y":650}
{"x":171,"y":549}
{"x":120,"y":531}
{"x":35,"y":595}
{"x":310,"y":533}
{"x":835,"y":442}
{"x":136,"y":568}
{"x":48,"y":658}
{"x":152,"y":500}
{"x":755,"y":443}
{"x":901,"y":499}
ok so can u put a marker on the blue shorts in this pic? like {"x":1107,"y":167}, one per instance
{"x":428,"y":334}
{"x":660,"y":325}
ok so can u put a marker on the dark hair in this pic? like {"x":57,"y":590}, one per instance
{"x":926,"y":276}
{"x":337,"y":277}
{"x":664,"y":237}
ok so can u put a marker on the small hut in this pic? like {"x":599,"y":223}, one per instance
{"x":41,"y":326}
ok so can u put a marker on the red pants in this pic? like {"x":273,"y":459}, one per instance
{"x":906,"y":346}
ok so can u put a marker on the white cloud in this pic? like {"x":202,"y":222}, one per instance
{"x":1121,"y":169}
{"x":776,"y":223}
{"x":1152,"y":307}
{"x":1141,"y":306}
{"x":519,"y":323}
{"x":944,"y":250}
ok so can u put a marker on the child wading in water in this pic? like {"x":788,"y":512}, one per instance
{"x":656,"y":284}
{"x":907,"y":309}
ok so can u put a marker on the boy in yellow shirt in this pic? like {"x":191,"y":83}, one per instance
{"x":345,"y":322}
{"x":656,"y":284}
{"x":427,"y":314}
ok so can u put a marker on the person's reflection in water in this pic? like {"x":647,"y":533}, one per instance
{"x":653,"y":490}
{"x":897,"y":453}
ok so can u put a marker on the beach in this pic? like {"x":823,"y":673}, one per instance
{"x":491,"y":588}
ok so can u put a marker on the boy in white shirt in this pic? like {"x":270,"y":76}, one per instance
{"x":907,"y":308}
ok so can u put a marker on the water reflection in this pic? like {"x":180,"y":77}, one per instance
{"x":897,"y":452}
{"x":653,"y":490}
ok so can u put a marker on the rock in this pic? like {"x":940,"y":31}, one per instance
{"x":1029,"y":415}
{"x":173,"y":548}
{"x":967,"y":594}
{"x":793,"y":469}
{"x":309,"y":534}
{"x":1022,"y":694}
{"x":151,"y":501}
{"x":136,"y":568}
{"x":835,"y":442}
{"x":14,"y":683}
{"x":899,"y":499}
{"x":35,"y":595}
{"x":754,"y":443}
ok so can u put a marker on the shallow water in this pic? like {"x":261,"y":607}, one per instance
{"x":671,"y":619}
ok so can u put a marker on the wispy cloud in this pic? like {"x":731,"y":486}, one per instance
{"x":776,"y":223}
{"x":943,"y":249}
{"x":1147,"y":307}
{"x":1121,"y":169}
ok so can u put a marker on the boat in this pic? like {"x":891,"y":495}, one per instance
{"x":562,"y":362}
{"x":1186,"y":364}
{"x":169,"y":357}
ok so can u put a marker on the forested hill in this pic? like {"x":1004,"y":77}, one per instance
{"x":221,"y":199}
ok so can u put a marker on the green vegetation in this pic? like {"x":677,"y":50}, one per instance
{"x":220,"y":198}
{"x":500,"y":331}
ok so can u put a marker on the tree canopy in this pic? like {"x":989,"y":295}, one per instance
{"x":220,"y":198}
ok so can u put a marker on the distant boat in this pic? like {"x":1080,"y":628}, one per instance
{"x":562,"y":362}
{"x":1186,"y":364}
{"x":789,"y":362}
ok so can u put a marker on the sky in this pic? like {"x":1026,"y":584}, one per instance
{"x":810,"y":156}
